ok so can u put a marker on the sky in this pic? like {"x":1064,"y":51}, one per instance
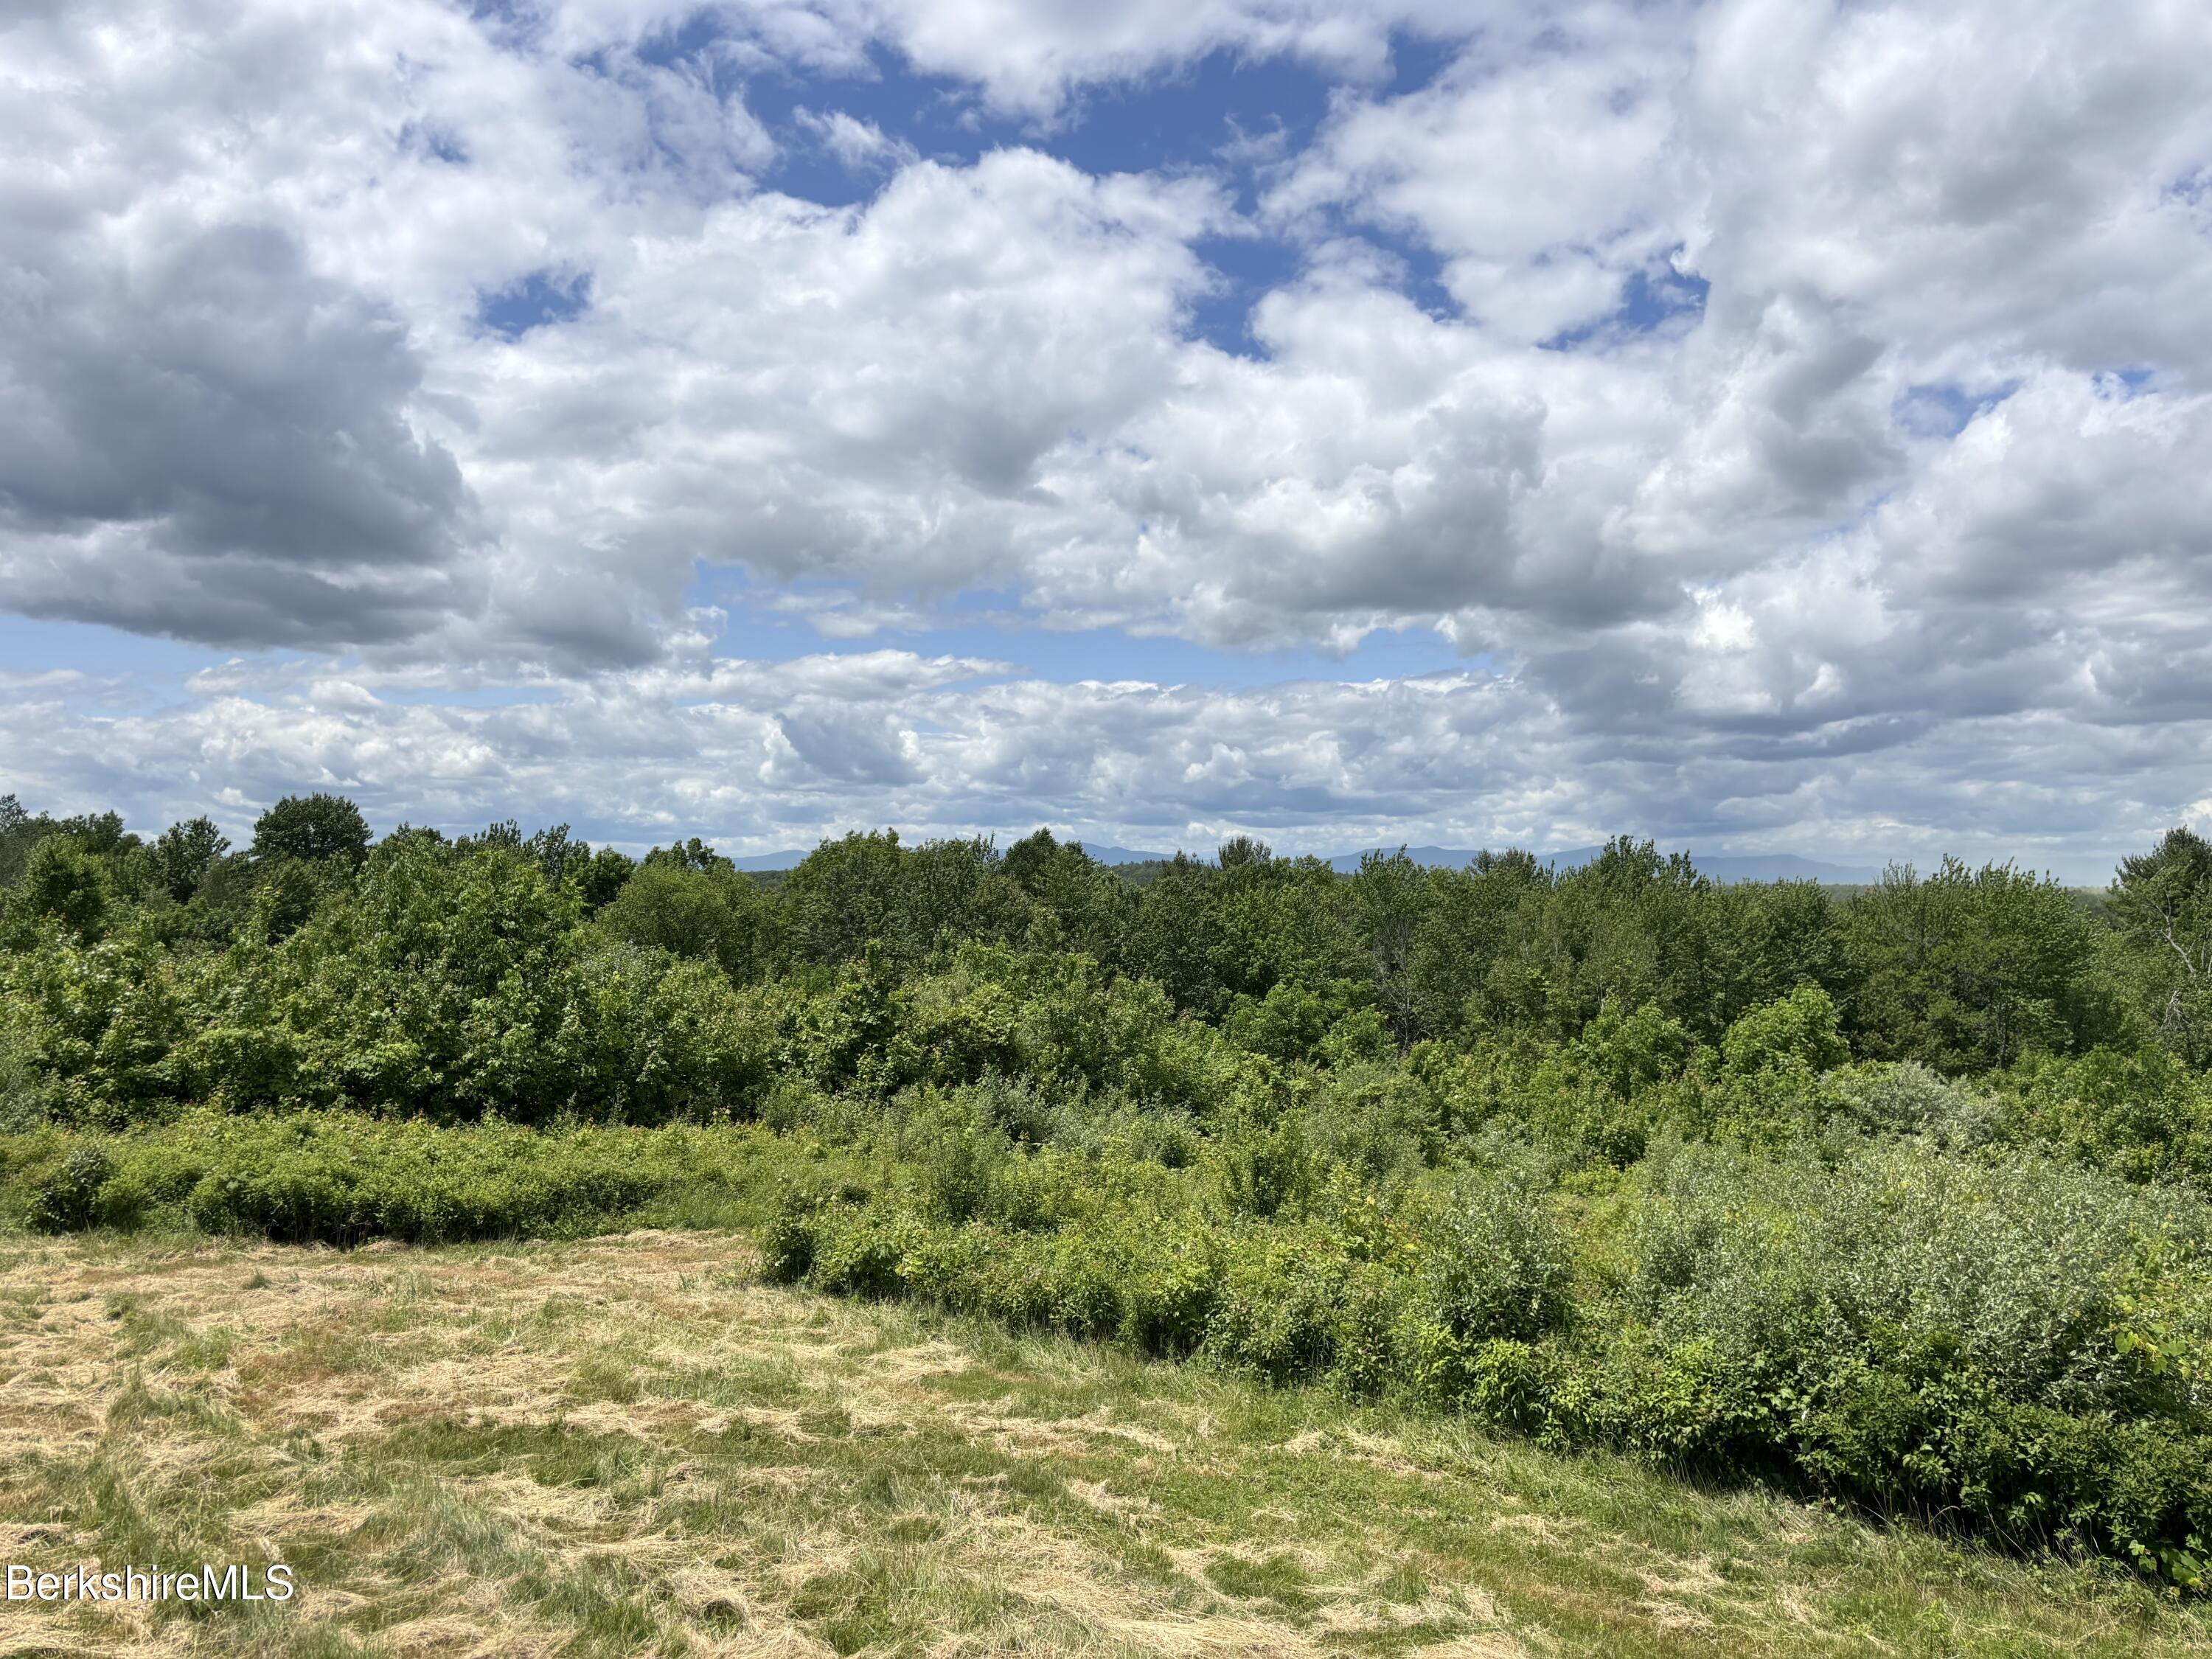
{"x":1763,"y":426}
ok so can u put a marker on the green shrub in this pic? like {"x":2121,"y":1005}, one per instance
{"x":69,"y":1198}
{"x":25,"y":1084}
{"x":1278,"y":1309}
{"x":1919,"y":1329}
{"x":1907,"y":1097}
{"x":1173,"y":1287}
{"x":953,"y":1155}
{"x":1371,"y":1334}
{"x":1798,"y":1031}
{"x":2013,"y":1343}
{"x":1264,"y":1169}
{"x":786,"y":1239}
{"x":2140,"y":1113}
{"x":410,"y":1182}
{"x":340,"y":1178}
{"x":857,"y":1250}
{"x":1494,"y":1261}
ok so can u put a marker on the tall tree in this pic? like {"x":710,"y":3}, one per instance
{"x":2162,"y":902}
{"x":1970,"y":969}
{"x":312,"y":828}
{"x":1388,"y":893}
{"x":183,"y":854}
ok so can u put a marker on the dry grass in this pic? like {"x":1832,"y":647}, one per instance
{"x":629,"y":1445}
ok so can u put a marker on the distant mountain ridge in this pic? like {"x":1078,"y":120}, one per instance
{"x":1726,"y":867}
{"x":766,"y":861}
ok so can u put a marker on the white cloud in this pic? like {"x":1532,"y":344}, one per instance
{"x":762,"y":758}
{"x":860,"y":146}
{"x":1539,"y":169}
{"x":1916,"y":500}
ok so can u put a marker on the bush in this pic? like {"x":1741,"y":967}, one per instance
{"x":340,"y":1178}
{"x":1492,"y":1263}
{"x":2141,"y":1114}
{"x":1908,"y":1098}
{"x":857,"y":1250}
{"x":1265,"y":1170}
{"x":1800,"y":1031}
{"x":1917,"y":1329}
{"x":24,"y":1082}
{"x":1278,"y":1309}
{"x":2011,"y":1343}
{"x":69,"y":1198}
{"x":955,"y":1156}
{"x":787,"y":1240}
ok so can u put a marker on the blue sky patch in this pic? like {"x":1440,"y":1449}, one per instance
{"x":1649,"y":303}
{"x":1231,"y":116}
{"x":541,"y":297}
{"x":977,"y":623}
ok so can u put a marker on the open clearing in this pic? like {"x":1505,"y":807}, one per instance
{"x":628,"y":1444}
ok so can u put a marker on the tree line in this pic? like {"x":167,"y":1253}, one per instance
{"x":1964,"y":969}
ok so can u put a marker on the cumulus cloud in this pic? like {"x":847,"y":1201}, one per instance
{"x":203,"y":438}
{"x":1795,"y":412}
{"x":764,"y":758}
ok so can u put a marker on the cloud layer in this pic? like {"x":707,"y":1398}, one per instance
{"x":1795,"y":415}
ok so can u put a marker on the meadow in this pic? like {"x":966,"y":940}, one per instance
{"x":948,"y":1247}
{"x":630,"y":1444}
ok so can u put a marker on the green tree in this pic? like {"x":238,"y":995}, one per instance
{"x":1769,"y":938}
{"x":1389,"y":894}
{"x":598,"y":878}
{"x":842,"y":895}
{"x":61,"y":879}
{"x":951,"y":891}
{"x":436,"y":981}
{"x":1632,"y":924}
{"x":1968,"y":969}
{"x":100,"y":833}
{"x":1174,"y":936}
{"x":184,"y":851}
{"x":2161,"y":901}
{"x":1462,"y":931}
{"x":20,"y":831}
{"x":312,"y":828}
{"x":714,"y":915}
{"x":865,"y":889}
{"x":692,"y":854}
{"x":286,"y":893}
{"x":1088,"y":901}
{"x":1279,"y":922}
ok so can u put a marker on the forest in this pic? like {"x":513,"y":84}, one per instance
{"x":1896,"y":1196}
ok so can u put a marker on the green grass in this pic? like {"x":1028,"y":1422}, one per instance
{"x":630,"y":1445}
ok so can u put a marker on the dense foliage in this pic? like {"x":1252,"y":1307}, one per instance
{"x":1899,"y":1194}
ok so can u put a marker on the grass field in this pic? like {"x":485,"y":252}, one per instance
{"x":629,"y":1444}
